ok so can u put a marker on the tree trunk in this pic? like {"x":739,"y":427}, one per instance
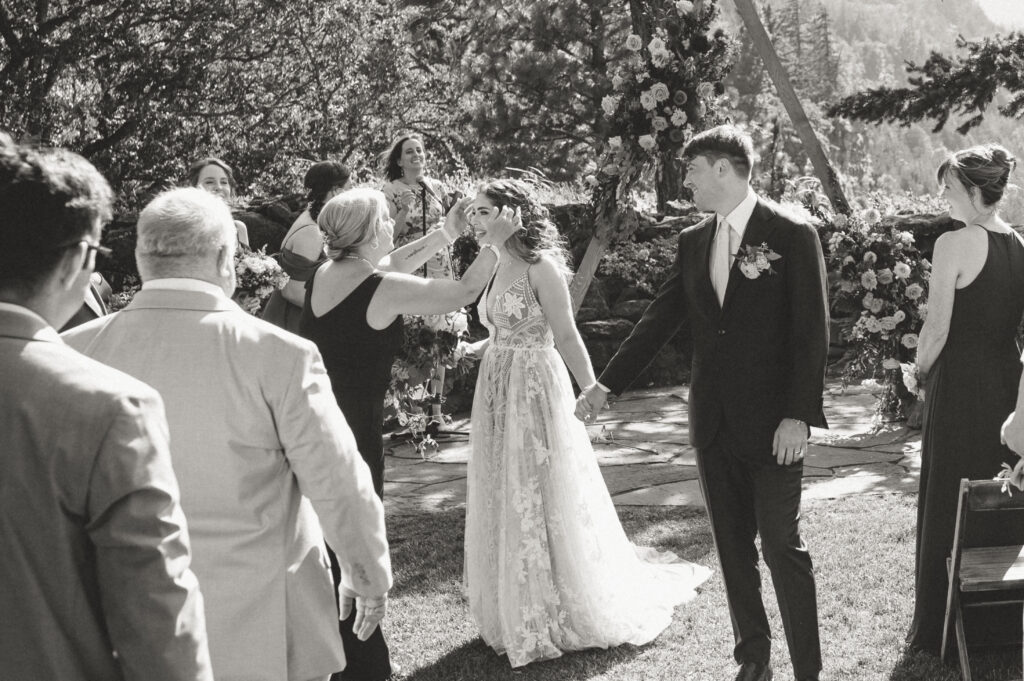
{"x":596,"y":249}
{"x":763,"y":44}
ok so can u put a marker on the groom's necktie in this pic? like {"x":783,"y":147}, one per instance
{"x":726,"y":245}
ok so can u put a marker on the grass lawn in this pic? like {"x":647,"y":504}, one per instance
{"x":863,"y":552}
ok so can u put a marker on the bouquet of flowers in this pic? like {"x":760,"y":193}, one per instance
{"x":257,"y":276}
{"x":881,"y":279}
{"x":430,"y":341}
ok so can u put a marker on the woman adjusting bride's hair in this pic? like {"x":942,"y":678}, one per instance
{"x":548,"y":566}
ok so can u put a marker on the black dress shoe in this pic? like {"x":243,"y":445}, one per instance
{"x":755,"y":671}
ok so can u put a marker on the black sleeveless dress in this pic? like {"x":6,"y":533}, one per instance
{"x":971,"y":390}
{"x":358,"y":359}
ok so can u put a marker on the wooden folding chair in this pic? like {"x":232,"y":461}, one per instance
{"x":986,"y":565}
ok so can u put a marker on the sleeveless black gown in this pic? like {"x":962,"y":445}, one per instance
{"x":971,"y":390}
{"x":358,"y":359}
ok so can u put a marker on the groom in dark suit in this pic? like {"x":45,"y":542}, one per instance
{"x":749,"y":282}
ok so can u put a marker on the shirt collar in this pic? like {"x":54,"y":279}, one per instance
{"x":740,"y":215}
{"x":46,"y":332}
{"x":22,"y":310}
{"x":184,"y":284}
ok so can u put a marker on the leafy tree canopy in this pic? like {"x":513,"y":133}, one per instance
{"x":962,"y":85}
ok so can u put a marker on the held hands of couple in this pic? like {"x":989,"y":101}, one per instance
{"x":590,"y":403}
{"x":369,"y":611}
{"x":790,"y":443}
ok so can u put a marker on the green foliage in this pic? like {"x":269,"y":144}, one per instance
{"x":944,"y":86}
{"x":643,"y":265}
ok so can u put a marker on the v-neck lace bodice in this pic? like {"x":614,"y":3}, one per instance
{"x":514,"y":318}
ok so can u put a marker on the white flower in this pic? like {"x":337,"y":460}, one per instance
{"x":890,"y":363}
{"x":647,"y":100}
{"x":617,"y":81}
{"x":590,"y":180}
{"x":848,"y":260}
{"x":642,"y":76}
{"x":871,"y":216}
{"x":876,"y":306}
{"x":513,"y":304}
{"x":661,"y":59}
{"x":660,"y":92}
{"x":899,"y":316}
{"x":906,"y":238}
{"x":761,"y":260}
{"x":885,"y":276}
{"x":888,"y":324}
{"x":914,"y":291}
{"x":609,"y":103}
{"x":870,"y":258}
{"x":679,"y":118}
{"x":749,"y":269}
{"x":867,"y":300}
{"x":647,"y":142}
{"x":706,"y":90}
{"x":659,"y":123}
{"x":872,"y":325}
{"x":684,"y":7}
{"x":909,"y":341}
{"x":868,"y":280}
{"x":615,"y":142}
{"x":656,"y":45}
{"x":840,"y":221}
{"x":901,"y":270}
{"x":634,"y":42}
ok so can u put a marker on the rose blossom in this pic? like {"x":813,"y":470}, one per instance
{"x":660,"y":91}
{"x":867,"y":300}
{"x":684,"y":7}
{"x":679,"y":118}
{"x":885,"y":276}
{"x":656,"y":45}
{"x":890,"y":363}
{"x":609,"y":103}
{"x":868,"y":280}
{"x":899,"y":316}
{"x":909,"y":341}
{"x":646,"y":142}
{"x":876,"y":306}
{"x":634,"y":42}
{"x":659,"y":123}
{"x":870,"y":258}
{"x":706,"y":90}
{"x":647,"y":100}
{"x":914,"y":291}
{"x":888,"y":323}
{"x":901,"y":270}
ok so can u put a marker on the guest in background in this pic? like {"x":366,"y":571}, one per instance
{"x":302,"y":249}
{"x":968,"y":362}
{"x":94,"y":573}
{"x":263,"y":453}
{"x":97,"y":302}
{"x":216,"y":177}
{"x":353,"y":312}
{"x":415,"y":202}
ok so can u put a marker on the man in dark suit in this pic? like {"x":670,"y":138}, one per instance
{"x":749,"y":282}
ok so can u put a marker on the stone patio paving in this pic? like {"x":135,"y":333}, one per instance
{"x":643,"y":449}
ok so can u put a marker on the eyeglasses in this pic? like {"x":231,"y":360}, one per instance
{"x":100,"y":250}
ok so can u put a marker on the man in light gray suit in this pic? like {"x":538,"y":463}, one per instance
{"x":260,"y":448}
{"x":94,"y":554}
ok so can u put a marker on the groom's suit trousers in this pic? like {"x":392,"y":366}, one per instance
{"x":744,"y":499}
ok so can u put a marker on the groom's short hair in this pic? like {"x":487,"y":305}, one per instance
{"x":724,"y":141}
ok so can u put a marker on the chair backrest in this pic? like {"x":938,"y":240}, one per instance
{"x":988,"y":515}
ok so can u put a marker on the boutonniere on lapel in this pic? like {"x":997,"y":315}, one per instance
{"x":755,"y":260}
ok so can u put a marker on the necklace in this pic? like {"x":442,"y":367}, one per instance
{"x":358,"y":257}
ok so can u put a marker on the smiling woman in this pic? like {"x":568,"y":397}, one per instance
{"x":216,"y":177}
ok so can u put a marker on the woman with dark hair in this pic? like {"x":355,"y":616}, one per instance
{"x":353,"y":312}
{"x":216,"y":177}
{"x":548,"y":567}
{"x":969,"y":363}
{"x":302,"y":249}
{"x":415,"y":202}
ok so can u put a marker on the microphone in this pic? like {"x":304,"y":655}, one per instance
{"x":426,"y":187}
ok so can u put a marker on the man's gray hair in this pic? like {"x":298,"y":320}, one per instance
{"x":180,"y":227}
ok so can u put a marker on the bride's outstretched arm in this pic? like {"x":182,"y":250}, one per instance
{"x":553,"y":294}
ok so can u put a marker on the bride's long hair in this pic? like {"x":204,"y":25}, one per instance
{"x":538,"y":237}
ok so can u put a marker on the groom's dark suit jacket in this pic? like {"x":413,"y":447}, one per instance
{"x":758,"y":358}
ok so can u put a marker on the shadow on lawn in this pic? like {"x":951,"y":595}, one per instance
{"x":994,"y":664}
{"x":475,"y":660}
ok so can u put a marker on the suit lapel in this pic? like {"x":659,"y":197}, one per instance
{"x":704,"y":291}
{"x":758,"y":231}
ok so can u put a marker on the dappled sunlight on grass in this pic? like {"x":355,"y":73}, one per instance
{"x":863,"y":549}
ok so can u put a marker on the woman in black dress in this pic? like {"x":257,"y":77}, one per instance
{"x":969,"y":362}
{"x":353,"y":312}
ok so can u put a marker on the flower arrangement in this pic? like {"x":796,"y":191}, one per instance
{"x":881,"y":279}
{"x":429,"y":342}
{"x":663,"y":90}
{"x":257,"y":276}
{"x":755,"y":260}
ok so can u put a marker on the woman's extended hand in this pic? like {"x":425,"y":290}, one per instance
{"x":506,"y":223}
{"x":457,"y":221}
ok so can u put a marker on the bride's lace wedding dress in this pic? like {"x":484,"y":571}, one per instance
{"x":548,"y":567}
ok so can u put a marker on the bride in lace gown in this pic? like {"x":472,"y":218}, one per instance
{"x":548,"y":567}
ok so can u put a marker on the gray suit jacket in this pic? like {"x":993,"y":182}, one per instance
{"x":95,"y":551}
{"x":256,"y":436}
